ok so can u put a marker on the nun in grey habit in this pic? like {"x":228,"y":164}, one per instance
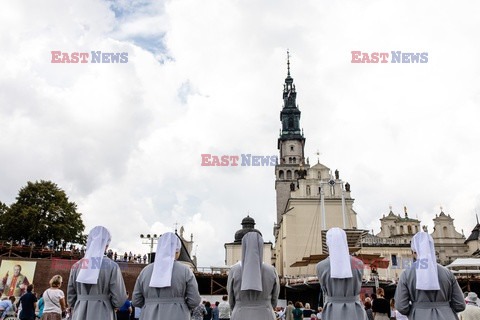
{"x":96,"y":286}
{"x":166,"y":289}
{"x":340,"y":277}
{"x":428,"y":290}
{"x":252,"y":286}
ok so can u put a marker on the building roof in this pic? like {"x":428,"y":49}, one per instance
{"x":475,"y":233}
{"x":464,"y":263}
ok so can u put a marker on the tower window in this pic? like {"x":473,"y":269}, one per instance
{"x":445,"y":231}
{"x":295,"y":174}
{"x":291,"y":148}
{"x":294,"y":160}
{"x":319,"y":175}
{"x":401,"y":229}
{"x":290,"y":160}
{"x":409,"y":229}
{"x":281,"y":175}
{"x":289,"y":174}
{"x":308,"y":190}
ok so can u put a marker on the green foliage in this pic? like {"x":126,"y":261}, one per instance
{"x":41,"y":213}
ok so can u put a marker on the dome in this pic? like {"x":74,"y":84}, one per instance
{"x":248,"y":224}
{"x":247,"y":221}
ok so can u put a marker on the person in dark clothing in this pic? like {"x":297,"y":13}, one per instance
{"x":125,"y":311}
{"x":208,"y":315}
{"x":381,"y":306}
{"x":307,"y":312}
{"x":368,"y":310}
{"x":29,"y":304}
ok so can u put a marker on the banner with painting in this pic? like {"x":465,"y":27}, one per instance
{"x":15,"y":276}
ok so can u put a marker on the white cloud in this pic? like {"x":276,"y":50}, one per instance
{"x":124,"y":140}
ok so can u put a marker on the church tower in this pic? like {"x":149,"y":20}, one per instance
{"x":291,"y":145}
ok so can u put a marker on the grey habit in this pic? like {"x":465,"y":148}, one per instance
{"x":440,"y":304}
{"x":97,"y":301}
{"x":251,"y":304}
{"x":252,"y":286}
{"x":169,"y":303}
{"x":341,"y":296}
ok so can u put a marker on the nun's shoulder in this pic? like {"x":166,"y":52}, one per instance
{"x":323,"y":264}
{"x":181,"y":267}
{"x":235,"y":267}
{"x":269,"y":268}
{"x":444,"y":271}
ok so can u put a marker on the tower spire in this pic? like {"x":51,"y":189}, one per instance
{"x":288,"y":63}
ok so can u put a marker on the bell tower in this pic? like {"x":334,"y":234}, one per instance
{"x":291,"y":145}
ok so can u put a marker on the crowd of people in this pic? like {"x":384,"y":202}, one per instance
{"x":167,"y":289}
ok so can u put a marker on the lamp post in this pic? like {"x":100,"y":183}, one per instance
{"x":151,"y":240}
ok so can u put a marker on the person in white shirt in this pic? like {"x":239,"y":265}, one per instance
{"x":224,"y":309}
{"x":54,"y":300}
{"x":472,"y":311}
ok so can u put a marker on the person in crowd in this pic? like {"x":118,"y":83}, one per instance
{"x":95,"y":287}
{"x":472,"y":311}
{"x":199,"y":311}
{"x":281,"y":313}
{"x":224,"y":309}
{"x":54,"y":300}
{"x":394,"y":312}
{"x":136,"y":313}
{"x":381,"y":306}
{"x":252,"y":286}
{"x":288,"y":311}
{"x":7,"y":307}
{"x":208,"y":315}
{"x":297,"y":312}
{"x":319,"y":313}
{"x":125,"y":311}
{"x":307,"y":311}
{"x":428,"y":290}
{"x":166,"y":286}
{"x":368,"y":309}
{"x":340,"y":277}
{"x":28,"y":303}
{"x":215,"y":311}
{"x":40,"y":306}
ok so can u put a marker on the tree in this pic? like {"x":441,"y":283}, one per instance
{"x":41,"y":213}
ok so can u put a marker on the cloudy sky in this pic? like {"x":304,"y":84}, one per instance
{"x":125,"y":140}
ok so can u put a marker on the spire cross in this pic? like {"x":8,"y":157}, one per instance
{"x":288,"y":62}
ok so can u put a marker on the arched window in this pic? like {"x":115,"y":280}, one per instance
{"x":401,"y":229}
{"x":289,"y":174}
{"x":409,"y":229}
{"x":292,"y":147}
{"x":281,"y":174}
{"x":445,"y":231}
{"x":319,"y":175}
{"x":308,"y":190}
{"x":296,"y":174}
{"x":290,"y":160}
{"x":294,"y":160}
